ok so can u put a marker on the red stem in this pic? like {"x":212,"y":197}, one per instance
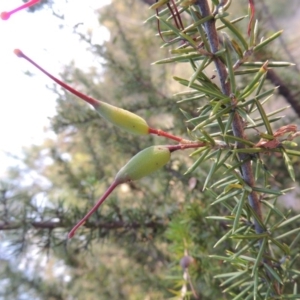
{"x":95,"y":207}
{"x":177,"y":15}
{"x":85,"y":98}
{"x":165,"y":134}
{"x":158,"y":27}
{"x":173,"y":16}
{"x":6,"y":14}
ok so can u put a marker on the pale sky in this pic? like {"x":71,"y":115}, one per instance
{"x":26,"y":103}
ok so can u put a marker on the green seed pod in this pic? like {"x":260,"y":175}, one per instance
{"x":122,"y":118}
{"x":144,"y":163}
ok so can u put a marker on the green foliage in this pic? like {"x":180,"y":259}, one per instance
{"x":227,"y":115}
{"x":209,"y":224}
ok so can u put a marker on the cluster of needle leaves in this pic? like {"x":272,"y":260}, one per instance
{"x":230,"y":88}
{"x":236,"y":137}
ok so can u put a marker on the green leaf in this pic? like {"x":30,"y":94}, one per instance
{"x":288,"y":221}
{"x":220,"y":218}
{"x":235,"y":284}
{"x":255,"y":236}
{"x":161,"y":13}
{"x":228,"y":274}
{"x":262,"y":123}
{"x":273,"y":208}
{"x":295,"y":289}
{"x":249,"y":150}
{"x":255,"y":216}
{"x":234,"y":276}
{"x":273,"y":273}
{"x":186,"y":114}
{"x":289,"y":164}
{"x":247,"y":258}
{"x":180,"y":58}
{"x":223,"y":161}
{"x":228,"y":127}
{"x":223,"y":238}
{"x":236,"y":32}
{"x":266,"y":95}
{"x":212,"y":169}
{"x":227,"y":196}
{"x":198,"y":119}
{"x":285,"y":248}
{"x":232,"y":22}
{"x":201,"y":32}
{"x":249,"y":245}
{"x":267,"y":41}
{"x":182,"y":50}
{"x":158,"y":4}
{"x":245,"y":115}
{"x":224,"y":181}
{"x":245,"y":290}
{"x":187,"y":93}
{"x":253,"y":31}
{"x":295,"y":240}
{"x":198,"y":97}
{"x":212,"y":118}
{"x":288,"y":233}
{"x":240,"y":140}
{"x":231,"y":75}
{"x":246,"y":71}
{"x":206,"y":61}
{"x":198,"y":161}
{"x":236,"y":48}
{"x":292,"y":152}
{"x":209,"y":92}
{"x":208,"y":138}
{"x":267,"y":191}
{"x":197,"y":22}
{"x":273,"y":64}
{"x":255,"y":283}
{"x":255,"y":82}
{"x":239,"y":212}
{"x":258,"y":168}
{"x":236,"y":166}
{"x":219,"y":257}
{"x":178,"y":32}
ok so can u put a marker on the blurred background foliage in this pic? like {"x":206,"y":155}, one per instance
{"x":141,"y":241}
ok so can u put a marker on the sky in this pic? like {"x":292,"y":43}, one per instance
{"x":26,"y":102}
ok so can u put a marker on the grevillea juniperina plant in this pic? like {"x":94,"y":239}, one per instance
{"x":142,"y":164}
{"x":231,"y":130}
{"x":146,"y":161}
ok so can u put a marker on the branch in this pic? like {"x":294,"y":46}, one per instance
{"x":237,"y":123}
{"x":284,"y":90}
{"x":92,"y":225}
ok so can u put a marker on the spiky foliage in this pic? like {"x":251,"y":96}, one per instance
{"x":192,"y":226}
{"x":232,"y":111}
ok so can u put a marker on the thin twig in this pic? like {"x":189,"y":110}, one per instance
{"x":91,"y":225}
{"x":284,"y":90}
